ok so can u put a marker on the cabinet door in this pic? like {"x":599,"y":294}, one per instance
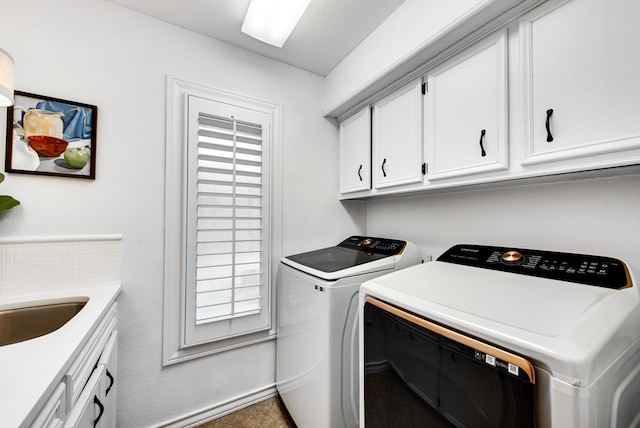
{"x":355,"y":152}
{"x":89,"y":409}
{"x":108,"y":387}
{"x":84,"y":364}
{"x":397,"y":137}
{"x":466,"y":114}
{"x":580,"y":67}
{"x":53,"y":413}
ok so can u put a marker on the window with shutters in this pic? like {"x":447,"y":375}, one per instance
{"x":220,"y":178}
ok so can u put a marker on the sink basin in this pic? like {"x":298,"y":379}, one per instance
{"x":25,"y":323}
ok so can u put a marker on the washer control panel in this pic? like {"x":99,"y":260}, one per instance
{"x":388,"y":247}
{"x":581,"y":268}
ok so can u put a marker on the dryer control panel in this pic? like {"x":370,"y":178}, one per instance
{"x":580,"y":268}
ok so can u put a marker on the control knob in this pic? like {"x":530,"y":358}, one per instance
{"x":512,"y":257}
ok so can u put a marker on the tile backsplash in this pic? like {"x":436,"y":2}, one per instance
{"x":36,"y":265}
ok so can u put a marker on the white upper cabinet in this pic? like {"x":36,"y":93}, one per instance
{"x":466,"y":114}
{"x":552,"y":87}
{"x":397,"y":137}
{"x":355,"y":152}
{"x":580,"y":67}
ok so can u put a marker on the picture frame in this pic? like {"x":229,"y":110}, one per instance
{"x":40,"y":129}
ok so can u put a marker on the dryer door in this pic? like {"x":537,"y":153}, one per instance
{"x":424,"y":374}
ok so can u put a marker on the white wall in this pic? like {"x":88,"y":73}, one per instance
{"x":94,"y":52}
{"x":592,"y":216}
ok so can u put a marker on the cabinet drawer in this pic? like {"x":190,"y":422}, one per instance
{"x":53,"y":413}
{"x":84,"y":364}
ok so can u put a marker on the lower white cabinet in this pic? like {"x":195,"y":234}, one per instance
{"x":96,"y":405}
{"x":54,"y":412}
{"x":86,"y":395}
{"x":89,"y":409}
{"x":109,"y":361}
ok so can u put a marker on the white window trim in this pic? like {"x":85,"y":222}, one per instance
{"x":174,"y":350}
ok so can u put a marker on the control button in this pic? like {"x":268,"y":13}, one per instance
{"x":367,"y":242}
{"x":512,"y":257}
{"x":494,"y":257}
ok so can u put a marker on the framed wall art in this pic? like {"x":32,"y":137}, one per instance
{"x":51,"y":136}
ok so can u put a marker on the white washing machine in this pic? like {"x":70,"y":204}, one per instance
{"x":317,"y":337}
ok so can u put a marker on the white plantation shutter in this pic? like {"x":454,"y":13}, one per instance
{"x":229,"y":238}
{"x":227,"y":184}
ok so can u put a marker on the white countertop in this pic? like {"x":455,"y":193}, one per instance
{"x":31,"y":370}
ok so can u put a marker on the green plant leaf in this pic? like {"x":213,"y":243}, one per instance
{"x":7,"y":202}
{"x":1,"y":177}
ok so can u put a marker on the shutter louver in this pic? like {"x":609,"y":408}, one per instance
{"x":229,"y":219}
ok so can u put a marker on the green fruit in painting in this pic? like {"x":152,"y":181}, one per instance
{"x":76,"y":157}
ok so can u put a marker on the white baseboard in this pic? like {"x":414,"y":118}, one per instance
{"x":221,"y":409}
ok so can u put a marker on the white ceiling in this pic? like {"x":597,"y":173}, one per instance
{"x":327,"y":32}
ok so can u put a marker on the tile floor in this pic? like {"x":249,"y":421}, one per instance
{"x":266,"y":414}
{"x":385,"y":390}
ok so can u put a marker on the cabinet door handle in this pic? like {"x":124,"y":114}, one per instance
{"x":482,"y":152}
{"x":97,"y":401}
{"x":384,"y":173}
{"x":546,"y":124}
{"x":359,"y":175}
{"x":111,"y":382}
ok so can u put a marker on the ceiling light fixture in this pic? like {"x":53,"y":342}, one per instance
{"x":6,"y":79}
{"x":271,"y":21}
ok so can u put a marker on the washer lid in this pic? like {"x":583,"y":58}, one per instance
{"x":353,"y":256}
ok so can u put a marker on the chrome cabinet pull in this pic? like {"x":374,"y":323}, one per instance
{"x":547,"y":125}
{"x":482,"y":152}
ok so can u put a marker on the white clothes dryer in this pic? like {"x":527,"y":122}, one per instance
{"x":490,"y":336}
{"x":317,"y":336}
